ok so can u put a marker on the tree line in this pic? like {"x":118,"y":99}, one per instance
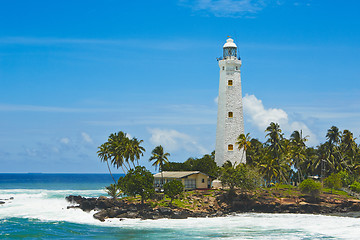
{"x":284,"y":160}
{"x":277,"y":160}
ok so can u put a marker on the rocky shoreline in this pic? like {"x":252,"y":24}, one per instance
{"x":218,"y":204}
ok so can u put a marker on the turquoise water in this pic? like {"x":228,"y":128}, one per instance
{"x":38,"y":211}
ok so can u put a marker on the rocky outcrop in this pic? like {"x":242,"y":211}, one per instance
{"x":7,"y":199}
{"x":115,"y":208}
{"x":216,"y":205}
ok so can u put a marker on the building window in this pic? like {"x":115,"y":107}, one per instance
{"x":237,"y":68}
{"x":230,"y":82}
{"x":190,"y":183}
{"x":230,"y":147}
{"x":223,"y":68}
{"x":203,"y":180}
{"x":230,"y":114}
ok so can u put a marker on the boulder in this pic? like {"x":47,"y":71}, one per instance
{"x":180,"y":215}
{"x":87,"y":204}
{"x":1,"y":202}
{"x":101,"y":215}
{"x":165,"y":211}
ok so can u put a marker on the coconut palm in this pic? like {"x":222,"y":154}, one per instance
{"x":244,"y":144}
{"x":113,"y":190}
{"x":118,"y":143}
{"x":137,"y":150}
{"x":275,"y":136}
{"x":160,"y":158}
{"x":333,"y":135}
{"x":275,"y":139}
{"x":104,"y":155}
{"x":298,"y":154}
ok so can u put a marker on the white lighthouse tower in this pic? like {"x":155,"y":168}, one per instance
{"x":230,"y":120}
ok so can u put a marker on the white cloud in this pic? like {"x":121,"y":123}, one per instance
{"x":226,"y":8}
{"x":260,"y":116}
{"x":216,"y":100}
{"x":86,"y":137}
{"x":173,"y":140}
{"x":257,"y":115}
{"x":158,"y":44}
{"x":65,"y":140}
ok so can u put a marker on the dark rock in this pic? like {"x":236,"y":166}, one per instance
{"x":1,"y":202}
{"x":68,"y":207}
{"x":87,"y":205}
{"x":132,"y":209}
{"x":12,"y":198}
{"x":132,"y":214}
{"x":115,"y":211}
{"x":72,"y":198}
{"x":165,"y":211}
{"x":100,"y":215}
{"x":180,"y":215}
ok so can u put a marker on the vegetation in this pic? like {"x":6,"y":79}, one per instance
{"x":113,"y":190}
{"x":333,"y":182}
{"x":275,"y":162}
{"x":290,"y":161}
{"x":355,"y":187}
{"x":239,"y":176}
{"x":121,"y":152}
{"x":173,"y":188}
{"x":309,"y":186}
{"x":138,"y":181}
{"x":160,"y":158}
{"x":206,"y":164}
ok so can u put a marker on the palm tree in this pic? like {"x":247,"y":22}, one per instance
{"x":137,"y":150}
{"x":160,"y":158}
{"x":298,"y":148}
{"x":275,"y":138}
{"x":333,"y":135}
{"x":335,"y":156}
{"x":269,"y":168}
{"x":104,"y":155}
{"x":244,"y":144}
{"x":117,"y":145}
{"x":113,"y":190}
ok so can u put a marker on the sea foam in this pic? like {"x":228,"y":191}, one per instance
{"x":51,"y":206}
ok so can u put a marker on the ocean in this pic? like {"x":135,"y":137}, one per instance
{"x":39,"y":211}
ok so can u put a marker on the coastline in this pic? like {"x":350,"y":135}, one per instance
{"x":217,"y":203}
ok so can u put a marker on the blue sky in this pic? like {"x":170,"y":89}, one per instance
{"x":72,"y":72}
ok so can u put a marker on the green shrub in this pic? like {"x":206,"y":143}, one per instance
{"x":346,"y":178}
{"x":309,"y":186}
{"x":113,"y":190}
{"x":173,"y":188}
{"x":138,"y":181}
{"x":355,"y":187}
{"x":333,"y":182}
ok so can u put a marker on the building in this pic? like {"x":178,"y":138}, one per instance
{"x":190,"y":179}
{"x":230,"y":121}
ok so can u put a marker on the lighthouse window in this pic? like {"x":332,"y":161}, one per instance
{"x":237,"y":68}
{"x":230,"y":147}
{"x":223,"y":68}
{"x":230,"y":82}
{"x":230,"y":114}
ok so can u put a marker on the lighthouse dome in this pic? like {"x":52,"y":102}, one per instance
{"x":229,"y":43}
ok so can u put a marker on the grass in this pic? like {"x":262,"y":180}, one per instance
{"x":336,"y":192}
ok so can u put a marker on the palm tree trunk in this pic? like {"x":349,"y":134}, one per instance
{"x":123,"y":169}
{"x":110,"y":172}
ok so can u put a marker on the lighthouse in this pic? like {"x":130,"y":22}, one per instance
{"x":230,"y":120}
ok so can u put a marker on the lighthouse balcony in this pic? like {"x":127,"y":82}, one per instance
{"x":228,"y":57}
